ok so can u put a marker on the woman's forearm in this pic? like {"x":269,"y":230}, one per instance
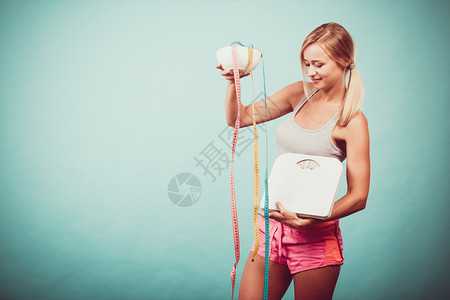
{"x":347,"y":205}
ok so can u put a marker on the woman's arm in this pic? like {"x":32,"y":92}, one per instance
{"x":279,"y":104}
{"x":358,"y":169}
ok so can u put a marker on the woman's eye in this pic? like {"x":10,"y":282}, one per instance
{"x":306,"y":65}
{"x":319,"y":66}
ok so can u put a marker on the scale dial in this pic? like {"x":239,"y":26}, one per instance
{"x":308,"y":164}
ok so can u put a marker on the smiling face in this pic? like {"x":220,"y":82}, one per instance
{"x":323,"y":70}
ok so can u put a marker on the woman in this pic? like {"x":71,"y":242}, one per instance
{"x":328,"y":123}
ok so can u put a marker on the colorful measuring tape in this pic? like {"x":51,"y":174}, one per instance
{"x":256,"y":172}
{"x":233,"y":194}
{"x":256,"y":167}
{"x":266,"y":200}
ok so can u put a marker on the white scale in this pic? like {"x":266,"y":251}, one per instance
{"x":304,"y":184}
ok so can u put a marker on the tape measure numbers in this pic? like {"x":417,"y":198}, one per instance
{"x":256,"y":167}
{"x":233,"y":148}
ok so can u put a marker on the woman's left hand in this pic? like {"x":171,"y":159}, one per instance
{"x":290,"y":218}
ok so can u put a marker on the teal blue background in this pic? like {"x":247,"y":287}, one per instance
{"x":103,"y":102}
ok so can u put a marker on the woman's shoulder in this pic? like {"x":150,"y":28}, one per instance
{"x":359,"y":120}
{"x":357,"y":127}
{"x":298,"y":87}
{"x":296,"y":91}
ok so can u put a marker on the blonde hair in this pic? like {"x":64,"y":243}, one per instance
{"x":338,"y":45}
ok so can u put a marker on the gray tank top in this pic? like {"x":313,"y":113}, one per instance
{"x":291,"y":138}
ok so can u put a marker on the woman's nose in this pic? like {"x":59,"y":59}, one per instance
{"x":311,"y":71}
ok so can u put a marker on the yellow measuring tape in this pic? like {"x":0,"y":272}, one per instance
{"x":256,"y":168}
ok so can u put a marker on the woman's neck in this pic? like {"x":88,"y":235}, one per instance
{"x":334,"y":95}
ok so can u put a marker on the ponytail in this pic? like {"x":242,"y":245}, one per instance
{"x":353,"y":98}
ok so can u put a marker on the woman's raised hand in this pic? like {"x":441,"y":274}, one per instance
{"x":229,"y":75}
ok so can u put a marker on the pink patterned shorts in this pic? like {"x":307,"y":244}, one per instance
{"x":303,"y":249}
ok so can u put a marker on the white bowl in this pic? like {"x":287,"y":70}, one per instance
{"x":225,"y":57}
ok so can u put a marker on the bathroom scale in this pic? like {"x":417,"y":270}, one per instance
{"x":304,"y":184}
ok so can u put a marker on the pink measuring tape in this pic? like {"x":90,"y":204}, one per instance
{"x":233,"y":194}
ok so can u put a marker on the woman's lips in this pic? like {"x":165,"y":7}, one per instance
{"x":315,"y":80}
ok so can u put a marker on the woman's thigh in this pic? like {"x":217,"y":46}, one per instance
{"x":252,"y":282}
{"x":316,"y":284}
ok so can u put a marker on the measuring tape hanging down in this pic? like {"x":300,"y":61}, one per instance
{"x":233,"y":195}
{"x":256,"y":173}
{"x":266,"y":200}
{"x":256,"y":167}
